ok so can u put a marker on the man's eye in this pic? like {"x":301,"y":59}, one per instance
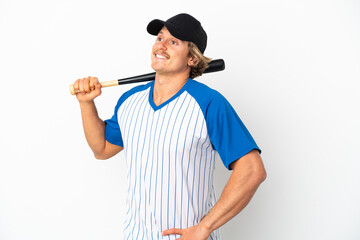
{"x":159,"y":39}
{"x":173,"y":42}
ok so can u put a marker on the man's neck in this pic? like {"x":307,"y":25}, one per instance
{"x":166,"y":86}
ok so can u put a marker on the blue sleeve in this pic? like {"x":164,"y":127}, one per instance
{"x":228,"y":134}
{"x":112,"y":129}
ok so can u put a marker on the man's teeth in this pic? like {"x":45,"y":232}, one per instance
{"x":160,"y":56}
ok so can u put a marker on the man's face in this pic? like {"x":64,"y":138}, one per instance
{"x":170,"y":55}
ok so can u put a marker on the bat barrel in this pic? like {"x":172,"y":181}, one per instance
{"x":141,"y":78}
{"x":215,"y":66}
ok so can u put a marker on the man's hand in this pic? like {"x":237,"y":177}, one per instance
{"x":196,"y":232}
{"x":87,"y":89}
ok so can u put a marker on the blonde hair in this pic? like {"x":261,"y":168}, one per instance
{"x":201,"y":63}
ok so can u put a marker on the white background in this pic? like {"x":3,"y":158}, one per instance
{"x":292,"y":74}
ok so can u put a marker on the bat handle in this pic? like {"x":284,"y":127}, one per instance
{"x":72,"y":89}
{"x":103,"y":84}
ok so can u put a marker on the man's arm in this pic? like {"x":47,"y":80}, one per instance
{"x":248,"y":173}
{"x":87,"y":89}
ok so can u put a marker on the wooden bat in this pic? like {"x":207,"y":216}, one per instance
{"x":214,"y":66}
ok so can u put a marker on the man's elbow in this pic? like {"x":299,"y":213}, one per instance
{"x":262,"y":175}
{"x":99,"y":156}
{"x":108,"y":151}
{"x":258,"y":171}
{"x":259,"y":175}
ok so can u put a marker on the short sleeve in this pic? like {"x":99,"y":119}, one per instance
{"x":228,"y":134}
{"x":112,"y":129}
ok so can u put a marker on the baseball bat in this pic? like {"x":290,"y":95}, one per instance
{"x":214,"y":66}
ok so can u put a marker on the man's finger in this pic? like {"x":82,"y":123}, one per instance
{"x":172,"y":231}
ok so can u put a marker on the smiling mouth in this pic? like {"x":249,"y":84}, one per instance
{"x":161,"y":55}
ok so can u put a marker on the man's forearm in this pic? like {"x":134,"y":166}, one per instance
{"x":94,"y":127}
{"x":237,"y":193}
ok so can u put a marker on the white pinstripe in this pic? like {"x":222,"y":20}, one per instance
{"x":170,"y":165}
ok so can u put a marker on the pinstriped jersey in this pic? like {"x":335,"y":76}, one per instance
{"x":170,"y":152}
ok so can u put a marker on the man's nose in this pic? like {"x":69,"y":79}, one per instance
{"x":162,"y":45}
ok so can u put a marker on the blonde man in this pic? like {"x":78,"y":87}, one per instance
{"x":171,"y":130}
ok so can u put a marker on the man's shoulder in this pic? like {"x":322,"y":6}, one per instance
{"x":203,"y":94}
{"x":133,"y":91}
{"x":138,"y":88}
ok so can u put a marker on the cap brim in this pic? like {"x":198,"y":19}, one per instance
{"x":155,"y":26}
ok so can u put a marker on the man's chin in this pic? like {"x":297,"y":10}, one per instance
{"x":157,"y":67}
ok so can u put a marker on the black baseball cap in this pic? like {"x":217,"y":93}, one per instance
{"x":182,"y":26}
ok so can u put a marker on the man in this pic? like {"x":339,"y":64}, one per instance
{"x":171,"y":130}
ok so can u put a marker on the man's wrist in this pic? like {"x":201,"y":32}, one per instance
{"x":206,"y":226}
{"x":86,"y":103}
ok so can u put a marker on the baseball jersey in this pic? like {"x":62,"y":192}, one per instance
{"x":170,"y":151}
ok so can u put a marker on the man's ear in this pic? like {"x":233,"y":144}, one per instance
{"x":192,"y":61}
